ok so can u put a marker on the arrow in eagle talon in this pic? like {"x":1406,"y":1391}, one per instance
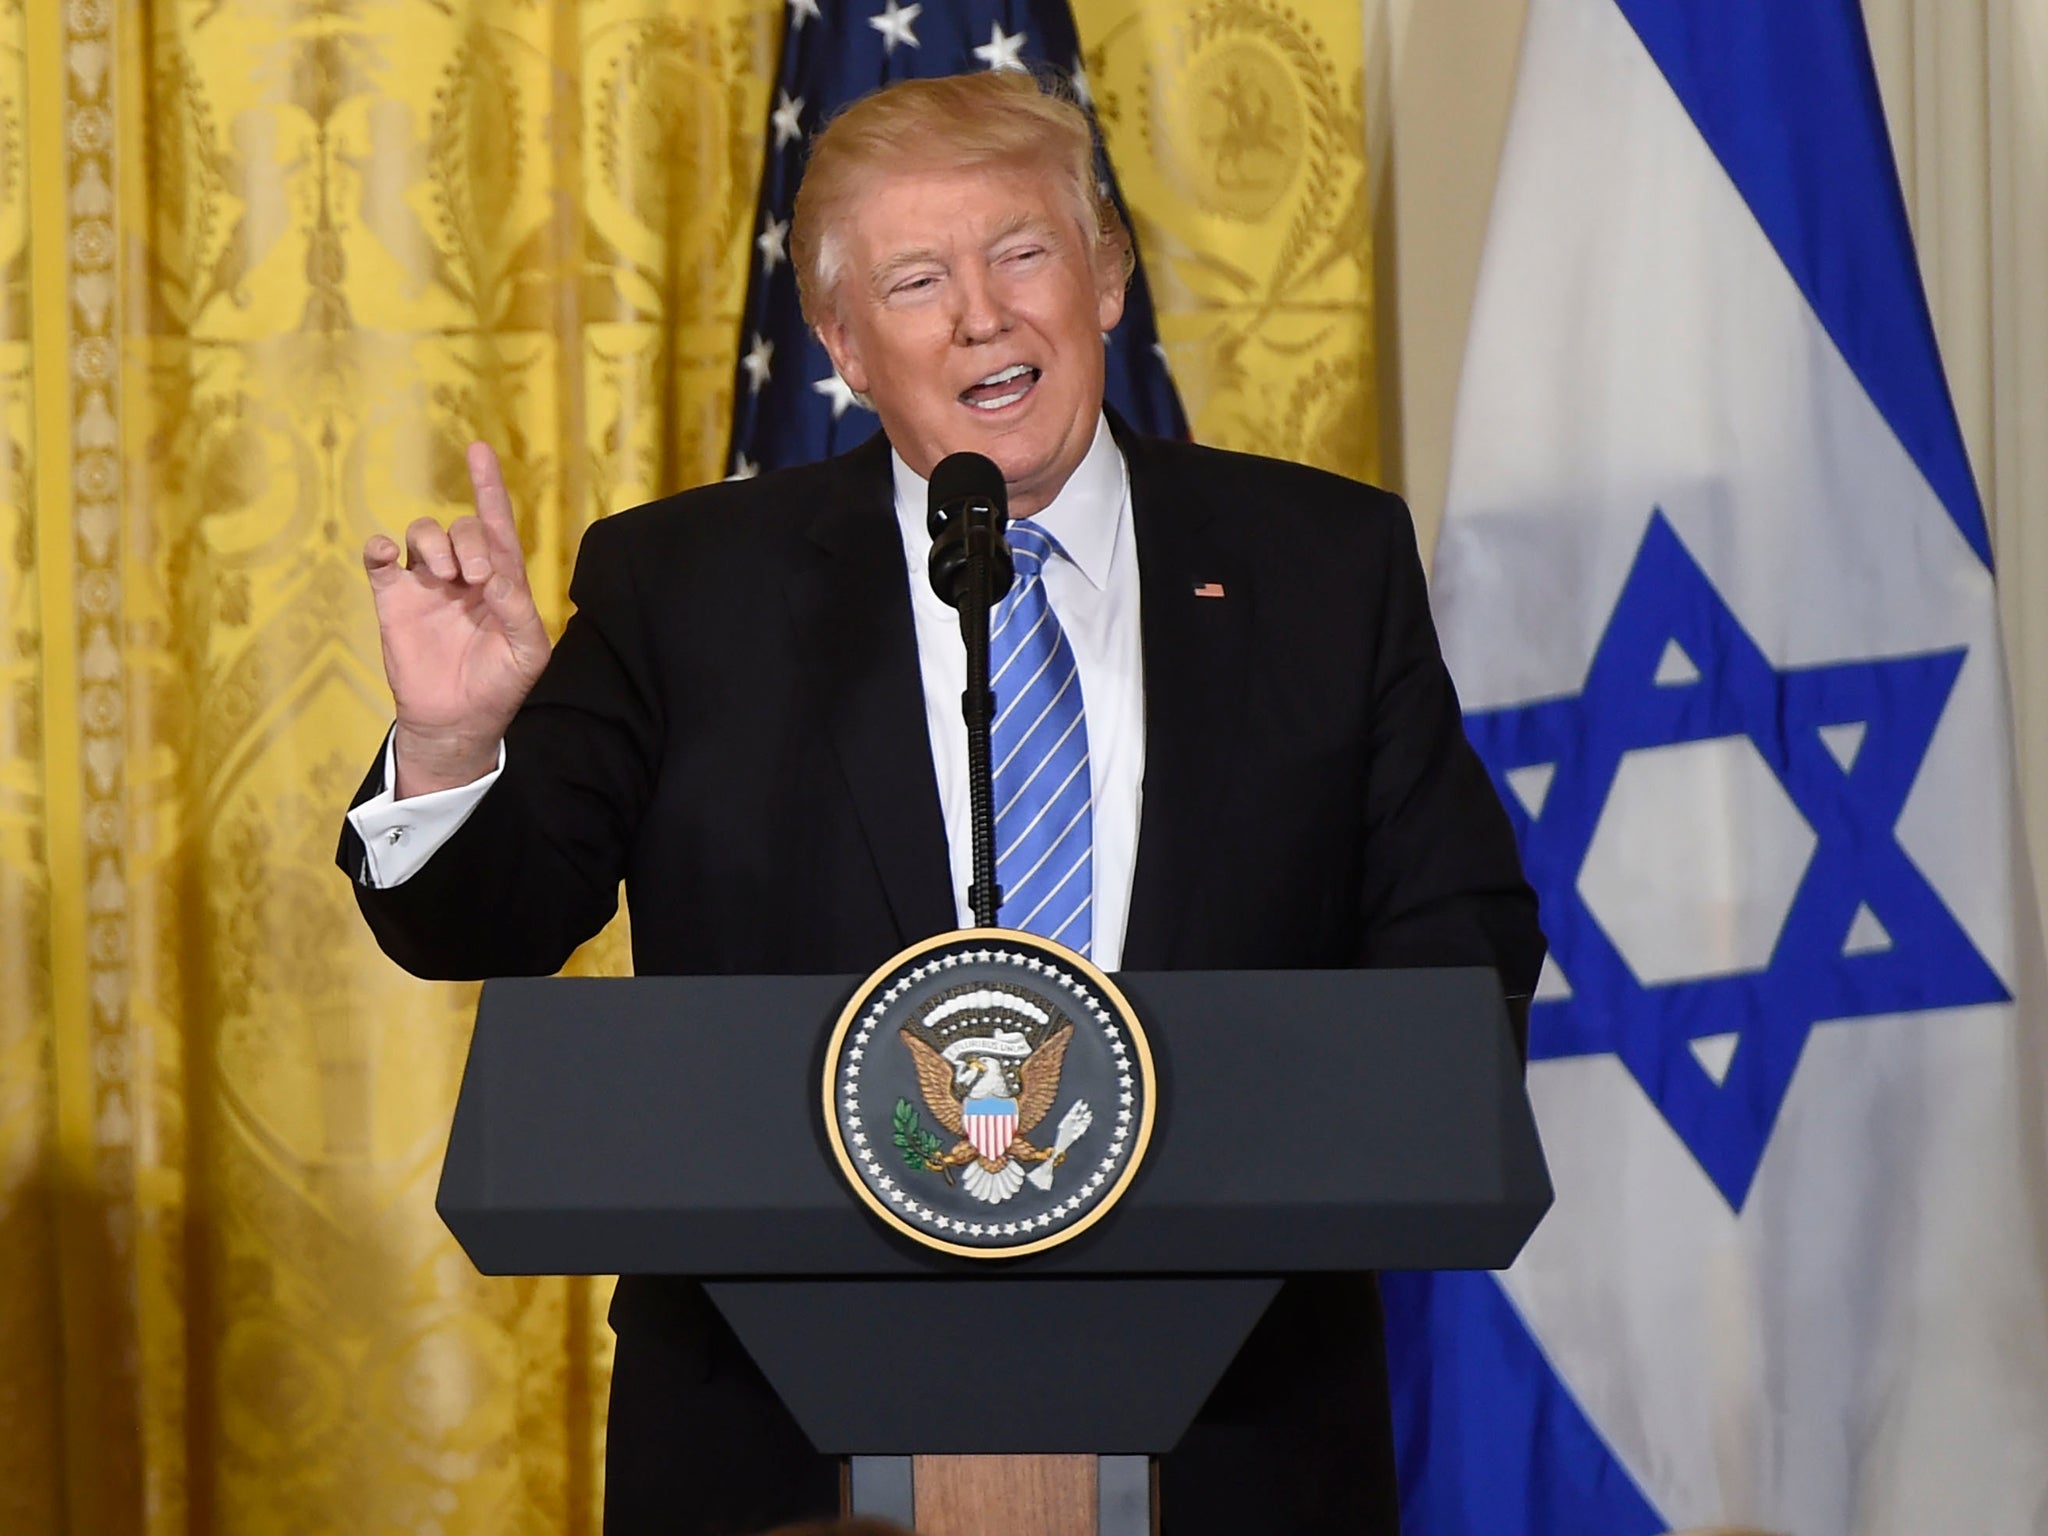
{"x":1073,"y":1124}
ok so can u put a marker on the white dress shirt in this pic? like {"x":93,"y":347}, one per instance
{"x":1093,"y":594}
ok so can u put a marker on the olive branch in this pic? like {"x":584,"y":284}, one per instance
{"x":920,"y":1148}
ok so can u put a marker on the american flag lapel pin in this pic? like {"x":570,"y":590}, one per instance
{"x":1208,"y":589}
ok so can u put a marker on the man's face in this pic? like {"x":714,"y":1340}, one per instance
{"x":970,"y":309}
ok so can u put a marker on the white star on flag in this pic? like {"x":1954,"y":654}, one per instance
{"x":1001,"y":51}
{"x":784,"y":119}
{"x":838,"y":392}
{"x":798,"y":10}
{"x":894,"y":23}
{"x":756,"y":364}
{"x":746,"y":469}
{"x":770,"y":244}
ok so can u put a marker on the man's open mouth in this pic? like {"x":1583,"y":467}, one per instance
{"x":1002,"y":388}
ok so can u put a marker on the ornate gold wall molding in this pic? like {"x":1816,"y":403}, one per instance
{"x":71,"y":100}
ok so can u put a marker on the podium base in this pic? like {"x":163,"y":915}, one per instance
{"x":1005,"y":1495}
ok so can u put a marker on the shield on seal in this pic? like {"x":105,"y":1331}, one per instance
{"x":991,"y":1124}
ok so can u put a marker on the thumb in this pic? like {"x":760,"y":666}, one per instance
{"x":511,"y":604}
{"x":381,"y":563}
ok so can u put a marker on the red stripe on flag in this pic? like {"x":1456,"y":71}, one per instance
{"x":991,"y":1134}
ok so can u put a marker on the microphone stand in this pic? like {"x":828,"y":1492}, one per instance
{"x":984,"y":545}
{"x":971,"y":569}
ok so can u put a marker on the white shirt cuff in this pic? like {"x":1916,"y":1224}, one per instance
{"x":401,"y":835}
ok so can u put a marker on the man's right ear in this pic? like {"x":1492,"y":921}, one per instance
{"x":839,"y":346}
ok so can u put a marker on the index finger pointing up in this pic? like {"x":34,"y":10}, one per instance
{"x":493,"y":504}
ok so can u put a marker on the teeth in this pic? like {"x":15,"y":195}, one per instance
{"x":999,"y":402}
{"x":1015,"y":370}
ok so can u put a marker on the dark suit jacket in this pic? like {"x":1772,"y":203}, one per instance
{"x":733,"y":724}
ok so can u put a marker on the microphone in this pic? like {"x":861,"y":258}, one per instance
{"x":967,"y":513}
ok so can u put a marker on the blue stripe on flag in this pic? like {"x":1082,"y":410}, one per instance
{"x":1785,"y":94}
{"x":1489,"y":1441}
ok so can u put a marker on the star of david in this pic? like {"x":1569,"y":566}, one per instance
{"x":1852,"y":928}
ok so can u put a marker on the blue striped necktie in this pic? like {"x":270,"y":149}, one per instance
{"x":1039,"y":747}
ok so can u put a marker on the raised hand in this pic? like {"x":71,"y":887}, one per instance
{"x":463,"y":642}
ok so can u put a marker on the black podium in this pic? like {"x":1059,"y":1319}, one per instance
{"x":1327,"y":1120}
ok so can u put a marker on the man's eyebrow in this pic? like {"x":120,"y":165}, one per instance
{"x":889,"y":266}
{"x":1024,"y":223}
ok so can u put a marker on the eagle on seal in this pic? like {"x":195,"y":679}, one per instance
{"x":990,"y":1089}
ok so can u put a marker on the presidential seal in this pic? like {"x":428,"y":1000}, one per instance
{"x":988,"y":1093}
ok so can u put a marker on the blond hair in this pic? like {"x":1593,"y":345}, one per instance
{"x":999,"y":117}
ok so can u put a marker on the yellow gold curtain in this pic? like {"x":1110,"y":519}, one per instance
{"x":265,"y":266}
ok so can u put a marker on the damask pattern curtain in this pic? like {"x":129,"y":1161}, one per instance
{"x":265,"y":267}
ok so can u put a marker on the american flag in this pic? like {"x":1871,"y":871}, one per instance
{"x":789,"y":406}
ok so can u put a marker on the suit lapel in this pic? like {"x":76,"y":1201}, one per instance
{"x":1195,"y":649}
{"x":850,"y":603}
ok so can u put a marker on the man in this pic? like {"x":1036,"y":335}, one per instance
{"x":753,"y":720}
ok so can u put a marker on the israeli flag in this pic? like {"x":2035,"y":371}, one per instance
{"x":1716,"y":588}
